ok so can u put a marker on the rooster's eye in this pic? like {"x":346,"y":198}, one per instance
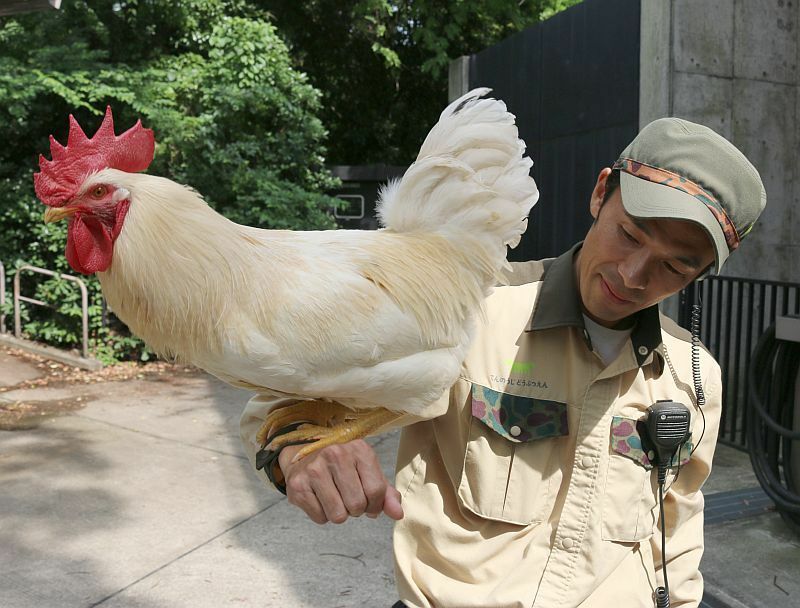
{"x":99,"y":192}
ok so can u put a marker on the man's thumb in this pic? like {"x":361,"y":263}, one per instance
{"x":391,"y":503}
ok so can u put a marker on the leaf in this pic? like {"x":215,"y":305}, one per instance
{"x":213,"y":78}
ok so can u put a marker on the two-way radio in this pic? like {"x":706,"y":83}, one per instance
{"x":667,"y":426}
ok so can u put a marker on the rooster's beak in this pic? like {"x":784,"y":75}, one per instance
{"x":56,"y":214}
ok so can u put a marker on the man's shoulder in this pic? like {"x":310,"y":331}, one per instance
{"x":672,"y":330}
{"x":679,"y":339}
{"x":515,"y":296}
{"x":522,"y":273}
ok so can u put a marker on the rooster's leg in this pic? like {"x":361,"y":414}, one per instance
{"x":319,"y":413}
{"x":356,"y":425}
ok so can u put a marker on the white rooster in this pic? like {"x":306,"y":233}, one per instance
{"x":362,"y":326}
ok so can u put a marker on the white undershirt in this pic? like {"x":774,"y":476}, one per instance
{"x":606,"y":342}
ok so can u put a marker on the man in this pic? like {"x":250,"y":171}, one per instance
{"x":535,"y":489}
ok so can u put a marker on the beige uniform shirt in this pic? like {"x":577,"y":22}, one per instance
{"x":533,"y":489}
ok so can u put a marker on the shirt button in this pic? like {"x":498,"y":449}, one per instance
{"x":567,"y":543}
{"x":586,"y":462}
{"x":643,"y":350}
{"x":515,"y":431}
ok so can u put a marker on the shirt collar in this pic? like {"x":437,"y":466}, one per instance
{"x":558,"y":305}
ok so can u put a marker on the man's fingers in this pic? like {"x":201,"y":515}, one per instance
{"x":381,"y":496}
{"x":347,"y":481}
{"x":341,"y":481}
{"x":309,"y":485}
{"x":327,"y":493}
{"x":373,"y":482}
{"x":391,"y":504}
{"x":305,"y":499}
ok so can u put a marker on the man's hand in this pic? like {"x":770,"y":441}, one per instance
{"x":338,"y":482}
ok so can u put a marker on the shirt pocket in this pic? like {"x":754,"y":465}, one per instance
{"x":510,"y":457}
{"x":631,"y":487}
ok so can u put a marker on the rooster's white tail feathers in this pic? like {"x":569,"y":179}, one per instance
{"x":471,"y":182}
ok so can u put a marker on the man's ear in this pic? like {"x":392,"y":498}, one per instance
{"x":599,"y":192}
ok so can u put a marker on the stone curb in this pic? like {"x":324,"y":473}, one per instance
{"x":51,"y":353}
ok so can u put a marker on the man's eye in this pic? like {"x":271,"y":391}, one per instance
{"x":99,"y":192}
{"x":673,"y":270}
{"x":628,"y":236}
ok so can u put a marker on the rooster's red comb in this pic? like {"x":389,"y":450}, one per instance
{"x":60,"y":178}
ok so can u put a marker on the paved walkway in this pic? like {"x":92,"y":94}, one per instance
{"x":143,"y":499}
{"x":14,"y":370}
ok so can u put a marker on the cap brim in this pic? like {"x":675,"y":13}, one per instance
{"x":650,"y":200}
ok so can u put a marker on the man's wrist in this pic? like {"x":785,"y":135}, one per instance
{"x":285,"y":456}
{"x":269,"y":460}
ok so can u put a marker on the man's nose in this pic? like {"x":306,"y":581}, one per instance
{"x":633,"y":270}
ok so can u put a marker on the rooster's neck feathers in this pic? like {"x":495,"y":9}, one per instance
{"x":179,"y":268}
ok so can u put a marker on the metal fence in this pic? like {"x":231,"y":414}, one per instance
{"x":18,"y":298}
{"x":735,"y":312}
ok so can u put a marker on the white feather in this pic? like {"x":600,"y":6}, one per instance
{"x":368,"y":318}
{"x":470,"y":179}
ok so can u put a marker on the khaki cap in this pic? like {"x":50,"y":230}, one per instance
{"x":676,"y":169}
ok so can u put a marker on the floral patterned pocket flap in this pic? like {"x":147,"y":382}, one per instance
{"x":517,"y":418}
{"x":626,"y":439}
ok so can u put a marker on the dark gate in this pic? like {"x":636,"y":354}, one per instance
{"x":573,"y":84}
{"x":735,"y":312}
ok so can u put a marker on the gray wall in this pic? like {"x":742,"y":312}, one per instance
{"x":733,"y":65}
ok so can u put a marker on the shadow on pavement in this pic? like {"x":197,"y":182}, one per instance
{"x":145,"y":499}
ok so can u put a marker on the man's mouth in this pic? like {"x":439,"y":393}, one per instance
{"x":611,"y":294}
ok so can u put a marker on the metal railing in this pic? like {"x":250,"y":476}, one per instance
{"x":735,"y":312}
{"x":20,"y":298}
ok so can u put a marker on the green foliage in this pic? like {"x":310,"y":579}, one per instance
{"x":237,"y":115}
{"x":213,"y":79}
{"x":43,"y":246}
{"x":382,"y":64}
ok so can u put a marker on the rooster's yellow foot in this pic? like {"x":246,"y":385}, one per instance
{"x":356,"y":425}
{"x":318,"y":413}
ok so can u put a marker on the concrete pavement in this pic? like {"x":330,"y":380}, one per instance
{"x":14,"y":370}
{"x":752,"y":559}
{"x":144,"y":499}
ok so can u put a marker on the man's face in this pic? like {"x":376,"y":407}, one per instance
{"x":627,"y":264}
